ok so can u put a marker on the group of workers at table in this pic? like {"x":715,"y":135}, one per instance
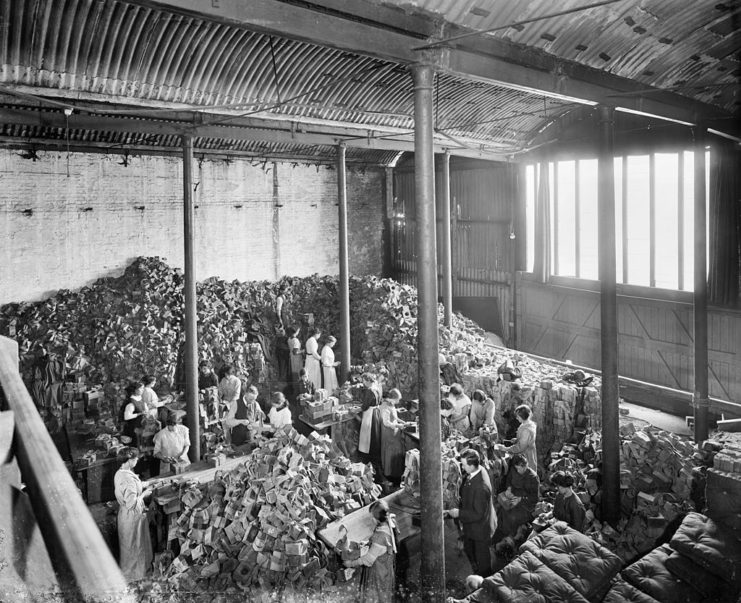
{"x":484,"y":517}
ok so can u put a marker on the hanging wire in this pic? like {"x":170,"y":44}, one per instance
{"x":67,"y":113}
{"x":275,"y":69}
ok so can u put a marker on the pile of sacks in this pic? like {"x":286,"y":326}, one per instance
{"x":662,"y":476}
{"x":253,"y":529}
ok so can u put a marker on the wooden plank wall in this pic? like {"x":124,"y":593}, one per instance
{"x":655,"y":337}
{"x":482,"y":195}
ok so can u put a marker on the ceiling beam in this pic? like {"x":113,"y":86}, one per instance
{"x":240,"y":129}
{"x":351,"y":26}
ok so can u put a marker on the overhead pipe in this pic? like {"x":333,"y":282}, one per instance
{"x":344,"y":292}
{"x":191,"y":316}
{"x":447,"y":255}
{"x":609,"y":323}
{"x":700,"y":296}
{"x":432,"y":571}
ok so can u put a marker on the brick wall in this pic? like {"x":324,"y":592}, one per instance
{"x":253,"y":222}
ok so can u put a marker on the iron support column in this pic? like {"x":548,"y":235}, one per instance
{"x":609,"y":325}
{"x":700,"y":399}
{"x":432,"y":571}
{"x":191,"y":335}
{"x":344,"y":291}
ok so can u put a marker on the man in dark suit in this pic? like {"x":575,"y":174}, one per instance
{"x":475,"y":513}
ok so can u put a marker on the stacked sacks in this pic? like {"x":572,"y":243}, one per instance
{"x":253,"y":529}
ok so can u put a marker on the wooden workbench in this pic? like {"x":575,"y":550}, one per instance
{"x":202,"y":471}
{"x":359,"y":524}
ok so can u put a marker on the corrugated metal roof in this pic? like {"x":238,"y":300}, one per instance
{"x":690,"y":45}
{"x":132,"y":54}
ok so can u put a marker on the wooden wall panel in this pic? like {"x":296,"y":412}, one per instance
{"x":482,"y":195}
{"x":655,"y":337}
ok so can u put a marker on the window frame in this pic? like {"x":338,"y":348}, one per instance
{"x":623,"y":287}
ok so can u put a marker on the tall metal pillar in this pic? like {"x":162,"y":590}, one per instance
{"x":344,"y":292}
{"x":432,"y":571}
{"x":191,"y":334}
{"x":609,"y":324}
{"x":700,"y":399}
{"x":447,"y":256}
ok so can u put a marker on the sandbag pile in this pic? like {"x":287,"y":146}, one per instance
{"x":253,"y":529}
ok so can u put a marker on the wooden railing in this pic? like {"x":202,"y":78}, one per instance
{"x":83,"y":563}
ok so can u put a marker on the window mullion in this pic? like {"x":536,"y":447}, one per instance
{"x":624,"y":208}
{"x":555,"y":219}
{"x":652,"y":219}
{"x":577,"y":221}
{"x":680,"y":221}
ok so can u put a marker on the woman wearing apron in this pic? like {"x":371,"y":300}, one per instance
{"x":369,"y":441}
{"x":329,"y":366}
{"x":313,"y":364}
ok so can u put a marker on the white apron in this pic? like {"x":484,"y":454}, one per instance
{"x":365,"y":431}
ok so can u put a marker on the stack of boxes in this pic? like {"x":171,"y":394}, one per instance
{"x":318,"y":408}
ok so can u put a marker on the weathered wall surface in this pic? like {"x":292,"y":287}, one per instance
{"x":253,"y":221}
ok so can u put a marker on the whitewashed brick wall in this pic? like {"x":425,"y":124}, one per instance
{"x":253,"y":222}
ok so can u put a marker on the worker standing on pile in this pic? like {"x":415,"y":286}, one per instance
{"x":482,"y":413}
{"x":135,"y":544}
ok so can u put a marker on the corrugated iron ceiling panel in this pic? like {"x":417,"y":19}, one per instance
{"x":130,"y":52}
{"x":656,"y":42}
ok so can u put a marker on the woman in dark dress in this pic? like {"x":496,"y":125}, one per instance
{"x":132,"y":410}
{"x":519,"y":499}
{"x":567,"y":506}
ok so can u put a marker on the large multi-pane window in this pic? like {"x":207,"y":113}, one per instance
{"x":654,"y":203}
